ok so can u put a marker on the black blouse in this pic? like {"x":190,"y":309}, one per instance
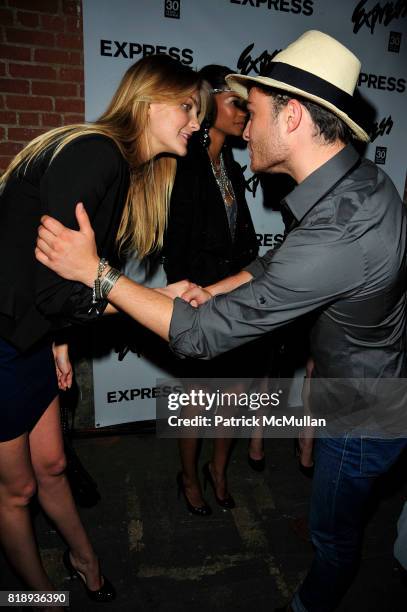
{"x":33,"y":299}
{"x":198,"y":243}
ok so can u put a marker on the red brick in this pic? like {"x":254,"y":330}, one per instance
{"x":30,"y":20}
{"x":41,"y":6}
{"x":28,"y":118}
{"x":4,"y":162}
{"x":6,"y":17}
{"x":73,"y":24}
{"x":2,"y":102}
{"x":8,"y":117}
{"x":69,"y":119}
{"x":29,"y":103}
{"x":81,"y":90}
{"x":53,"y":23}
{"x":72,"y":7}
{"x":14,"y":86}
{"x":10,"y":148}
{"x":2,"y":68}
{"x":56,"y":56}
{"x":15,"y":53}
{"x":69,"y":105}
{"x":71,"y":74}
{"x":69,"y":41}
{"x":52,"y":88}
{"x":51,"y":120}
{"x":30,"y":37}
{"x":31,"y":71}
{"x":23,"y":134}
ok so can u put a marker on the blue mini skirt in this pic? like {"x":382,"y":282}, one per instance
{"x":28,"y":384}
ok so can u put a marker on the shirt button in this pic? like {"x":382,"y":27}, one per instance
{"x":262,"y":299}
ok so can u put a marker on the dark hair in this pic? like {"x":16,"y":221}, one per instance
{"x":215,"y":75}
{"x":327,"y":125}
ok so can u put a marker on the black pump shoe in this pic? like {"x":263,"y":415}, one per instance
{"x":105,"y":593}
{"x":307,"y":470}
{"x":228,"y":503}
{"x":257,"y":465}
{"x":204,"y":510}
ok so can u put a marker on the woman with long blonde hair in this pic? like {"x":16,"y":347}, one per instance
{"x":118,"y":166}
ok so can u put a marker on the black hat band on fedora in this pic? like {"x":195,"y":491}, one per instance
{"x":312,"y":84}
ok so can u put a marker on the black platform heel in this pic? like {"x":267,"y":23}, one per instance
{"x":307,"y":470}
{"x":228,"y":503}
{"x":105,"y":593}
{"x":204,"y":510}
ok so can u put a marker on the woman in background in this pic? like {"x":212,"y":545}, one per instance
{"x":117,"y":166}
{"x":211,"y":236}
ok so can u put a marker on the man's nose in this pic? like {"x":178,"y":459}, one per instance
{"x":246,"y":133}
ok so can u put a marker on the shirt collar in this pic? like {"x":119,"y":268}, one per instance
{"x":320,"y":182}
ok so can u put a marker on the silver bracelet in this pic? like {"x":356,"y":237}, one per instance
{"x":96,"y":295}
{"x":108,"y":281}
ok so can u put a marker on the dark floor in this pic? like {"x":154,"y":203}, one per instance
{"x":162,"y":559}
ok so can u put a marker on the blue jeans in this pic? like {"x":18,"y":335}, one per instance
{"x":345,"y":471}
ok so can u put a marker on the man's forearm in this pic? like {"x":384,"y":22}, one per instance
{"x":229,"y":283}
{"x":150,"y":308}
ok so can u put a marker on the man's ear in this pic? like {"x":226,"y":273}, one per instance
{"x":293,"y":115}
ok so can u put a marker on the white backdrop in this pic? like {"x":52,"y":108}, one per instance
{"x":241,"y":34}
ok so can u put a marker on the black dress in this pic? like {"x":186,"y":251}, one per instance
{"x":199,"y":246}
{"x":34,"y":301}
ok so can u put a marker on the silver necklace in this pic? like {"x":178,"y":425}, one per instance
{"x":223,"y":181}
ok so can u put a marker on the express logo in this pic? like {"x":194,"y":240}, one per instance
{"x":129,"y":50}
{"x":380,"y":155}
{"x":306,"y":7}
{"x":172,"y":9}
{"x":252,"y":183}
{"x":378,"y":14}
{"x":272,"y":241}
{"x":379,"y":81}
{"x":381,"y":129}
{"x":260,"y":64}
{"x":394,"y":42}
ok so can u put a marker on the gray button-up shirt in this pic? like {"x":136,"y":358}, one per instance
{"x":345,"y":260}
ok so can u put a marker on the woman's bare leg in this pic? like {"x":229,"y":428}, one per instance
{"x":17,"y":486}
{"x":54,"y":493}
{"x":221,"y":451}
{"x":188,"y":450}
{"x":306,"y":436}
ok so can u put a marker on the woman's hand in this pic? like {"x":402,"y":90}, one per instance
{"x":196,"y":296}
{"x":176,"y":289}
{"x":63,"y":366}
{"x":71,"y":254}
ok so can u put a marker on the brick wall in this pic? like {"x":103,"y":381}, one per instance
{"x":41,"y":70}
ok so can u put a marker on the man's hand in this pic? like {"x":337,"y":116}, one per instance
{"x":71,"y":254}
{"x":176,"y":289}
{"x":63,"y":366}
{"x":196,"y":296}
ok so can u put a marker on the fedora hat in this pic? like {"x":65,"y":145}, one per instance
{"x":318,"y":68}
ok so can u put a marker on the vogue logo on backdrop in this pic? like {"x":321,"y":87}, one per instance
{"x":380,"y":13}
{"x":129,"y":50}
{"x":306,"y":7}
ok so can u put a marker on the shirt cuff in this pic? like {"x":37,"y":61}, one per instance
{"x":182,"y":320}
{"x":255,"y":268}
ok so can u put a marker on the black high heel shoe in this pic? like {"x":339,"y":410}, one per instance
{"x":204,"y":510}
{"x":307,"y":470}
{"x":228,"y":503}
{"x":106,"y":592}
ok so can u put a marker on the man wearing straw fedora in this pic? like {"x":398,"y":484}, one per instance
{"x":344,"y":259}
